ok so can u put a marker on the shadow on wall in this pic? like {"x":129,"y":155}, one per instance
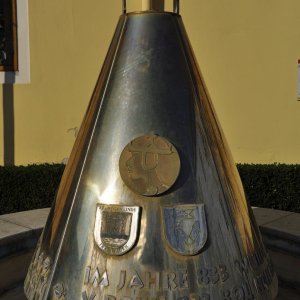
{"x":8,"y":119}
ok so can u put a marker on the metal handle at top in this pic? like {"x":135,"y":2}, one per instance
{"x":176,"y":6}
{"x":124,"y":7}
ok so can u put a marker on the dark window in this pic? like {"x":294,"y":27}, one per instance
{"x":8,"y":36}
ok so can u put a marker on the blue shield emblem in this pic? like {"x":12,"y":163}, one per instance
{"x":185,"y":228}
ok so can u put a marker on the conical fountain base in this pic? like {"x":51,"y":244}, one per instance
{"x":150,"y":205}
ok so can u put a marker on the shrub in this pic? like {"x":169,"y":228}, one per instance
{"x":34,"y":186}
{"x":30,"y":187}
{"x":272,"y":186}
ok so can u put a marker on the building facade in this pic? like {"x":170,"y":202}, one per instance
{"x":248,"y":53}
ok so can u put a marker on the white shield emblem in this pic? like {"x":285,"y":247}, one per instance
{"x":116,"y":228}
{"x":185,"y":228}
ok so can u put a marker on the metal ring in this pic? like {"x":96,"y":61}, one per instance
{"x":124,"y":9}
{"x":176,"y":7}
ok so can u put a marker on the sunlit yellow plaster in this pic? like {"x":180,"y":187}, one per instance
{"x":247,"y":50}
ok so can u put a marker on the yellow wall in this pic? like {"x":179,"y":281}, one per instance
{"x":247,"y":50}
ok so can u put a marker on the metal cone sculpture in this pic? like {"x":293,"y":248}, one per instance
{"x":150,"y":205}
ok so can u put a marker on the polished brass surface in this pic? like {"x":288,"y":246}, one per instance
{"x":105,"y":240}
{"x":149,"y":165}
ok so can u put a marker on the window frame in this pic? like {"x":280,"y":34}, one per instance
{"x":22,"y":75}
{"x":12,"y":22}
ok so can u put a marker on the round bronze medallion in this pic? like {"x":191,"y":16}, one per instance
{"x":149,"y":165}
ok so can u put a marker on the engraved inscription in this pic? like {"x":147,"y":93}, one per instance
{"x":97,"y":279}
{"x":116,"y":228}
{"x":152,"y":280}
{"x":212,"y":275}
{"x":238,"y":293}
{"x":253,"y":261}
{"x":136,"y":282}
{"x":149,"y":165}
{"x":164,"y":280}
{"x":94,"y":279}
{"x":183,"y":280}
{"x":109,"y":297}
{"x":264,"y":280}
{"x":122,"y":280}
{"x":59,"y":290}
{"x":261,"y":266}
{"x":149,"y":281}
{"x":86,"y":296}
{"x":169,"y":281}
{"x":204,"y":296}
{"x":87,"y":275}
{"x":36,"y":281}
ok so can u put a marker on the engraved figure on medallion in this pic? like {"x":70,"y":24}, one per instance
{"x":116,"y":228}
{"x":185,"y":228}
{"x":149,"y":165}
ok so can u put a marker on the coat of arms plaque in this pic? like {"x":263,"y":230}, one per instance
{"x":185,"y":228}
{"x":116,"y":228}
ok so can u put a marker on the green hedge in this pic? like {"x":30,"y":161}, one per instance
{"x":23,"y":188}
{"x":30,"y":187}
{"x":272,"y":186}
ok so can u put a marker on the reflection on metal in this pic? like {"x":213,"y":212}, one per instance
{"x":105,"y":238}
{"x":149,"y":165}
